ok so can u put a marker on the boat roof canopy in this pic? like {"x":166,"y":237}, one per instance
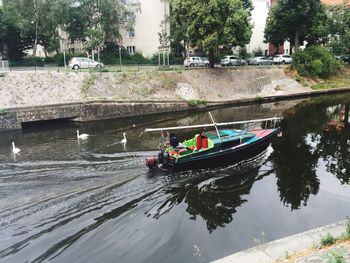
{"x":273,"y":119}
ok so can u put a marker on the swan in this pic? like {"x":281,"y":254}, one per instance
{"x":14,"y":149}
{"x":124,"y":140}
{"x":82,"y":136}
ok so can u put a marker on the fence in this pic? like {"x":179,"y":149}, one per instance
{"x":44,"y":67}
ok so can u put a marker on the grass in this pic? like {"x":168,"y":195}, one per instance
{"x":327,"y":240}
{"x":340,"y":80}
{"x":87,"y":82}
{"x":196,"y":103}
{"x":333,"y":255}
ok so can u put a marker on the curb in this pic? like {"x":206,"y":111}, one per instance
{"x":278,"y":249}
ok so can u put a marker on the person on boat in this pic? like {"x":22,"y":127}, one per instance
{"x":174,"y":142}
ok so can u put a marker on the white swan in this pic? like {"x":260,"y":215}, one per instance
{"x":14,"y":149}
{"x":123,"y":141}
{"x":82,"y":136}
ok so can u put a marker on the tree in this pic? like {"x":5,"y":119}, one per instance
{"x":38,"y":21}
{"x":339,"y":28}
{"x":105,"y":15}
{"x":296,"y":21}
{"x":208,"y":24}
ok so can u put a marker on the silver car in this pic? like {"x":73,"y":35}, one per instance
{"x":196,"y":62}
{"x":260,"y":61}
{"x":80,"y":62}
{"x":232,"y":61}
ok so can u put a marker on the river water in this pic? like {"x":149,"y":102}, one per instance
{"x":64,"y":200}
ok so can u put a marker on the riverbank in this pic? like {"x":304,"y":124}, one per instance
{"x":301,"y":248}
{"x":87,"y":96}
{"x":19,"y":89}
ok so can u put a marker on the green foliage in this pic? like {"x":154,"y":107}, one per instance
{"x":339,"y":28}
{"x":335,"y":256}
{"x":28,"y":62}
{"x":95,"y":39}
{"x":196,"y":103}
{"x":243,"y":53}
{"x":296,"y":21}
{"x":58,"y":59}
{"x":209,"y":23}
{"x":347,"y":232}
{"x":107,"y":16}
{"x":327,"y":240}
{"x":315,"y":61}
{"x":258,"y":52}
{"x":87,"y":82}
{"x":37,"y":21}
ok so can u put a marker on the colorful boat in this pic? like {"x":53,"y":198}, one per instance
{"x":214,"y":147}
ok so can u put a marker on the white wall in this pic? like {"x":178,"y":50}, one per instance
{"x":147,"y":27}
{"x":259,"y":15}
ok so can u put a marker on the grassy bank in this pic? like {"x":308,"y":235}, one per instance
{"x":330,"y":249}
{"x":340,"y":80}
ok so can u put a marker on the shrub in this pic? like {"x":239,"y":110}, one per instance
{"x":28,"y":62}
{"x":243,"y":53}
{"x":327,"y":240}
{"x":315,"y":61}
{"x":58,"y":59}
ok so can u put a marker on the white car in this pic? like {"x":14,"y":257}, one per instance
{"x":196,"y":62}
{"x":282,"y":59}
{"x":80,"y":62}
{"x":232,"y":61}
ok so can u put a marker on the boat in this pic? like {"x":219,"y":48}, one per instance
{"x":214,"y":147}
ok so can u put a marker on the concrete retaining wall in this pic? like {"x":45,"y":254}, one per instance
{"x":13,"y":118}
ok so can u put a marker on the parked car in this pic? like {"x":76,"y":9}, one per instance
{"x":260,"y":61}
{"x":344,"y":58}
{"x":196,"y":62}
{"x":80,"y":62}
{"x":282,"y":59}
{"x":232,"y":61}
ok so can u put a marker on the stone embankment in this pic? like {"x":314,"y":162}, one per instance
{"x":84,"y":96}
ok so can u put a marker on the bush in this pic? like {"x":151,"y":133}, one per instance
{"x":315,"y":61}
{"x":327,"y":240}
{"x":28,"y":62}
{"x":58,"y":59}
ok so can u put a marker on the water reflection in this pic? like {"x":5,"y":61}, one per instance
{"x":325,"y":135}
{"x":215,"y":194}
{"x":59,"y":199}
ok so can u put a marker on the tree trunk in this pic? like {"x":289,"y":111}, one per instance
{"x":36,"y":28}
{"x":211,"y":58}
{"x":296,"y":41}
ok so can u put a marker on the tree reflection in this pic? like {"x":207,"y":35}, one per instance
{"x":334,"y":146}
{"x":309,"y":133}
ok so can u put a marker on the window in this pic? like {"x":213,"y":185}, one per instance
{"x":130,"y":17}
{"x":131,"y":49}
{"x":130,"y":33}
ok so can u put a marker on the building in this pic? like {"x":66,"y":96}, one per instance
{"x":259,"y":15}
{"x":144,"y":38}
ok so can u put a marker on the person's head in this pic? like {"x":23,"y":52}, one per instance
{"x":172,"y":135}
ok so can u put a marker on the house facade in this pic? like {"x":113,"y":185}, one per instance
{"x":259,"y":15}
{"x":144,"y":37}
